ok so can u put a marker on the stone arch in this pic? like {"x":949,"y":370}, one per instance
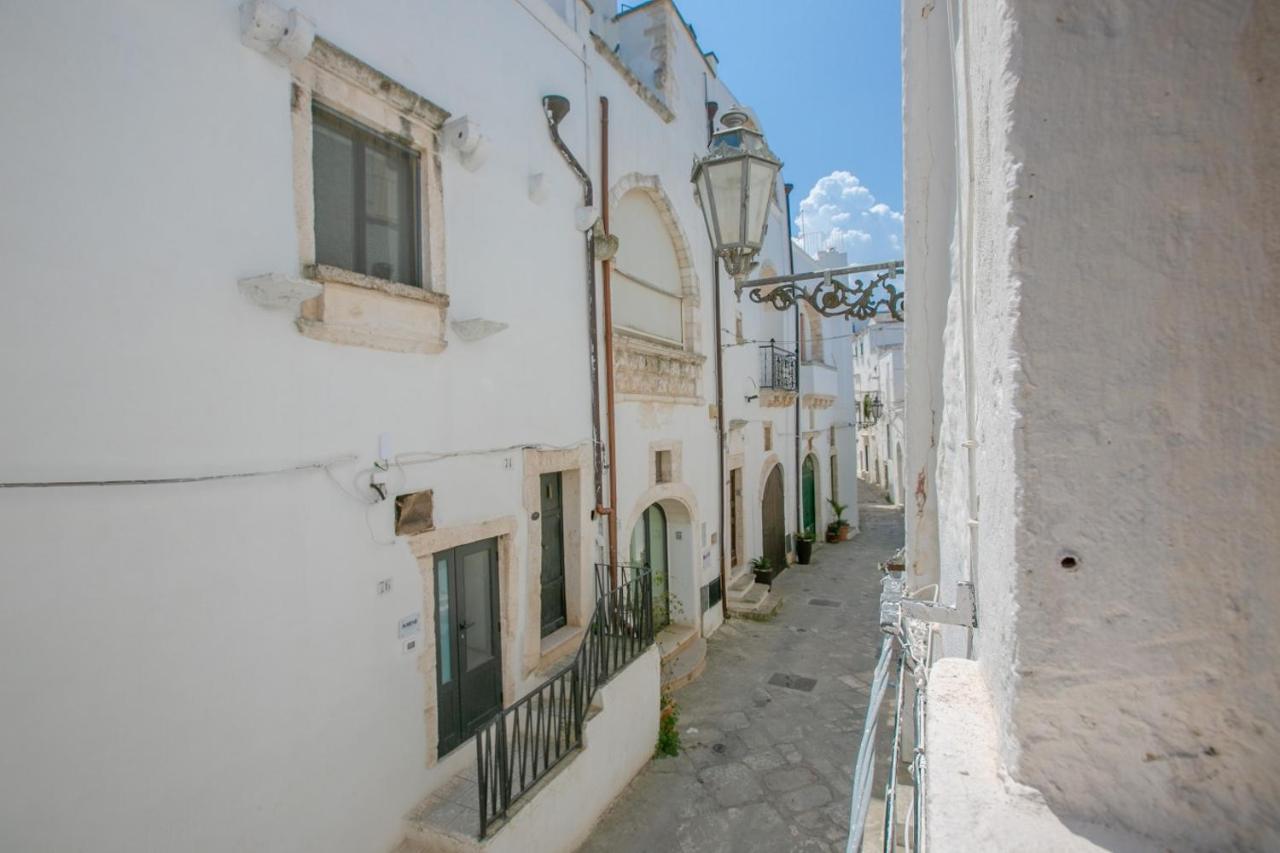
{"x":770,"y":460}
{"x":680,"y":506}
{"x":651,"y":186}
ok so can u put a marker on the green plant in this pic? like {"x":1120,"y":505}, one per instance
{"x":833,"y":528}
{"x":761,"y":564}
{"x":668,"y":728}
{"x":838,"y":508}
{"x":807,"y":535}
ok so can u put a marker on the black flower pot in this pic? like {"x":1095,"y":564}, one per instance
{"x":804,"y":550}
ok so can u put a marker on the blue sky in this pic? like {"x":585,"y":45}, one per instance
{"x":825,"y":79}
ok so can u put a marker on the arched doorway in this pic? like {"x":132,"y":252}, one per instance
{"x":809,"y":493}
{"x":773,"y":518}
{"x":649,"y":549}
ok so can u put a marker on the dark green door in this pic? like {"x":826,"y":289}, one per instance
{"x":552,"y":518}
{"x":808,"y":490}
{"x":649,"y":549}
{"x":468,"y":659}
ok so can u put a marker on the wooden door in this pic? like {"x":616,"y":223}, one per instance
{"x":468,"y":650}
{"x":773,"y":518}
{"x":552,"y":519}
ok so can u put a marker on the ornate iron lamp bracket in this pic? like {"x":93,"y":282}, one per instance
{"x":860,"y":300}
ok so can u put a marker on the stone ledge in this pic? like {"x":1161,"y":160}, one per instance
{"x":775,"y":398}
{"x":972,"y":804}
{"x":360,"y":310}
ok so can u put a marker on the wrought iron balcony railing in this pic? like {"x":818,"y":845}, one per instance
{"x":777,"y":367}
{"x":520,"y":745}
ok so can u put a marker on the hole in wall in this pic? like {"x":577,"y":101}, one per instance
{"x":1070,"y":562}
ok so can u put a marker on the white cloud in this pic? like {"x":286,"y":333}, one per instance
{"x":826,"y":213}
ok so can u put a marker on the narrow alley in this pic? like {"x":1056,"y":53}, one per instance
{"x":769,"y":734}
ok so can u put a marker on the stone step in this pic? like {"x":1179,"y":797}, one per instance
{"x":749,"y":597}
{"x":742,"y":581}
{"x":761,"y":610}
{"x":685,"y":666}
{"x":673,"y":639}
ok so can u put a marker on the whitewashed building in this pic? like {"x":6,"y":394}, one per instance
{"x":308,"y":454}
{"x":1093,"y":345}
{"x":878,"y":397}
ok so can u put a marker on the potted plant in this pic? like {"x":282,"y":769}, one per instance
{"x":842,"y":528}
{"x":804,"y":546}
{"x":762,"y":568}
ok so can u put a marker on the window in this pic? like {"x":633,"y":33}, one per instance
{"x":768,"y":437}
{"x":647,"y":295}
{"x":835,"y":479}
{"x":662,"y":466}
{"x":366,"y":200}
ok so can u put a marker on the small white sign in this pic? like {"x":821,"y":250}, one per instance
{"x":410,"y":625}
{"x":409,"y":646}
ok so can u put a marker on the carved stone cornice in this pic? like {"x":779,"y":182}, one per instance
{"x":818,"y":401}
{"x":645,"y":368}
{"x":776,"y":398}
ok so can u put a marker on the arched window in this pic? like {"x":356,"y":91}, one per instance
{"x":647,"y":290}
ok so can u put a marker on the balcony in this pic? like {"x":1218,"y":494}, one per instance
{"x":778,"y":375}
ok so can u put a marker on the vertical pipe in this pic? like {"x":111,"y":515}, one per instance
{"x":606,"y":268}
{"x":791,"y":264}
{"x":719,"y":342}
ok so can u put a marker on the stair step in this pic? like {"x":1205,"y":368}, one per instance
{"x":749,"y":597}
{"x":742,"y":582}
{"x":686,"y":666}
{"x":761,"y":610}
{"x":674,"y":639}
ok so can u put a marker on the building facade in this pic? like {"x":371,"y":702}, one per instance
{"x":310,"y":458}
{"x":878,"y":395}
{"x":1092,"y":407}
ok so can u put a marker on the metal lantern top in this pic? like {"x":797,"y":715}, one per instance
{"x":733,"y":183}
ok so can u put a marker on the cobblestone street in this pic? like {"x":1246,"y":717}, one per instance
{"x":770,"y":732}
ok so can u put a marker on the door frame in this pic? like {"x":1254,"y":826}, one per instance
{"x":458,"y":597}
{"x":423,"y":547}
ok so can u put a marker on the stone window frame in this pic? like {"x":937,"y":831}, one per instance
{"x":575,"y":466}
{"x":676,"y":472}
{"x":646,"y":364}
{"x":354,"y":308}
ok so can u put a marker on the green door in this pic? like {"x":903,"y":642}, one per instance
{"x":809,"y":491}
{"x":649,"y":549}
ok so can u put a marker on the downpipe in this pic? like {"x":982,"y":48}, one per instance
{"x":555,"y":108}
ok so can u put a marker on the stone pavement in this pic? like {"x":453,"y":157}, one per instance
{"x":769,"y":733}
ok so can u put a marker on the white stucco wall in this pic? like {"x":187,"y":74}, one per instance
{"x":623,"y":734}
{"x":209,"y":666}
{"x":1114,"y":226}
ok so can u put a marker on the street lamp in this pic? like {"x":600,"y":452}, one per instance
{"x":733,"y":182}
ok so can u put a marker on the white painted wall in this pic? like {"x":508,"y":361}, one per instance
{"x":1114,"y":226}
{"x":208,"y":666}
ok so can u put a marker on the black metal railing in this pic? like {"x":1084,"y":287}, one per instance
{"x":520,"y":745}
{"x":777,"y":367}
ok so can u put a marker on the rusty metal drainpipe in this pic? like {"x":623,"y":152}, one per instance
{"x":791,"y":263}
{"x":712,"y":108}
{"x":556,"y":107}
{"x":606,"y":294}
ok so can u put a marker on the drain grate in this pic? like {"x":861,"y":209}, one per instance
{"x":793,"y":682}
{"x":826,"y":602}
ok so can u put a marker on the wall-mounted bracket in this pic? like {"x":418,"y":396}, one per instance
{"x":830,"y":297}
{"x":965,"y":611}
